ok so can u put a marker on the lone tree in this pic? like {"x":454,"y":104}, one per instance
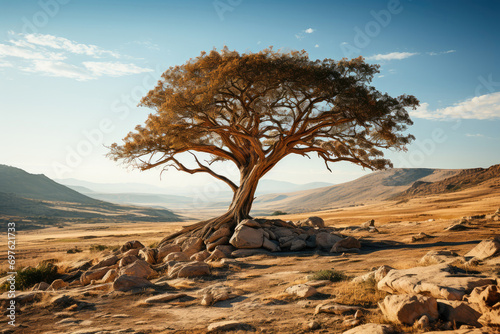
{"x":254,"y":109}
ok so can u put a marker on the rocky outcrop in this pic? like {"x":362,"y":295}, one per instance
{"x":440,"y":281}
{"x":126,"y":283}
{"x":485,"y":249}
{"x":406,"y":309}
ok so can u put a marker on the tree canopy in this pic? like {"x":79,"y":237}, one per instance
{"x":254,"y":109}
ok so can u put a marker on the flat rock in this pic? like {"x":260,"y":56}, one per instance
{"x":372,"y":329}
{"x":441,"y":281}
{"x":301,"y":290}
{"x":229,"y":325}
{"x":458,"y":312}
{"x":177,"y":256}
{"x":165,"y":250}
{"x":189,"y":269}
{"x":126,"y":283}
{"x":485,"y":249}
{"x":439,"y":256}
{"x":249,"y":252}
{"x":406,"y":309}
{"x":91,"y":275}
{"x":334,"y":308}
{"x":163,"y":298}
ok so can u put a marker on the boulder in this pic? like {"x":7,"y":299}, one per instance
{"x":220,"y":233}
{"x":249,"y":252}
{"x":106,"y":262}
{"x":485,"y":298}
{"x":420,"y":237}
{"x":216,"y":256}
{"x":148,"y":255}
{"x":271,"y":245}
{"x":176,"y":256}
{"x":458,"y":312}
{"x":219,"y":242}
{"x":192,"y":245}
{"x":215,"y":293}
{"x":491,"y":318}
{"x":110,"y":276}
{"x":372,"y":329}
{"x":42,"y":286}
{"x":281,"y":232}
{"x":126,"y":283}
{"x":485,"y":249}
{"x":441,"y":281}
{"x":345,"y":244}
{"x":131,"y":245}
{"x":376,"y":275}
{"x":190,"y":269}
{"x":139,"y":268}
{"x":406,"y":309}
{"x":91,"y":275}
{"x":301,"y":290}
{"x":80,"y":265}
{"x":314,"y":221}
{"x":297,"y":245}
{"x":325,"y":240}
{"x":126,"y":260}
{"x":249,"y":223}
{"x":439,"y":256}
{"x":226,"y":249}
{"x":200,"y":256}
{"x":229,"y":325}
{"x":132,"y":252}
{"x":164,"y":250}
{"x":58,"y":284}
{"x":247,"y":237}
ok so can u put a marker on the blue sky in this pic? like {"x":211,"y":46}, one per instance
{"x":72,"y":72}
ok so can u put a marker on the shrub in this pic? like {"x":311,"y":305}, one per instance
{"x":97,"y":248}
{"x":29,"y":276}
{"x":328,"y":275}
{"x":278,"y":213}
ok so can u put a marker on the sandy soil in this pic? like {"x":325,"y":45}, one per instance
{"x":259,"y":280}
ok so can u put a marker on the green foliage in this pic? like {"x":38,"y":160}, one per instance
{"x":97,"y":248}
{"x":278,"y":213}
{"x":327,"y":275}
{"x":29,"y":276}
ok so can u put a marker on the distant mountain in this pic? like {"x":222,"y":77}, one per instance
{"x":376,"y":186}
{"x":37,"y":186}
{"x":467,"y":178}
{"x":26,"y":195}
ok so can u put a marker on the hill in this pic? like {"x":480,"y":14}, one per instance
{"x":23,"y":184}
{"x":465,"y":179}
{"x":29,"y":195}
{"x":377,"y":186}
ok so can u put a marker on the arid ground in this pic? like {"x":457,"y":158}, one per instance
{"x":257,"y":281}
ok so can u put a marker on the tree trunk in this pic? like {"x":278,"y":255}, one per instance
{"x":238,"y":210}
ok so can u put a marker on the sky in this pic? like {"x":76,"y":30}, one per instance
{"x":73,"y":71}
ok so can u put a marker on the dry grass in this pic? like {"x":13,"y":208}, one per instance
{"x":363,"y":294}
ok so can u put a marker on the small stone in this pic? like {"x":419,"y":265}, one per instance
{"x":301,"y":290}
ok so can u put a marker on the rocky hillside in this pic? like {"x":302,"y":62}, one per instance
{"x":374,"y":187}
{"x":465,"y":179}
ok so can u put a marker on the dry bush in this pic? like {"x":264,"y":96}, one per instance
{"x":363,"y":294}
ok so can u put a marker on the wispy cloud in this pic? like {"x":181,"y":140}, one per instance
{"x":474,"y":135}
{"x":392,"y":56}
{"x":433,"y":53}
{"x":301,"y":35}
{"x":61,"y":43}
{"x":55,"y":56}
{"x":481,"y":107}
{"x":316,"y":46}
{"x":113,"y":69}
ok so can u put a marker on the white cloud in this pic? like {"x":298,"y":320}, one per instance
{"x":113,"y":69}
{"x":62,"y":43}
{"x":480,"y":107}
{"x":392,"y":56}
{"x":59,"y":69}
{"x":309,"y":30}
{"x":20,"y":52}
{"x":474,"y":135}
{"x":34,"y":53}
{"x":299,"y":36}
{"x":432,"y":53}
{"x":316,"y":46}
